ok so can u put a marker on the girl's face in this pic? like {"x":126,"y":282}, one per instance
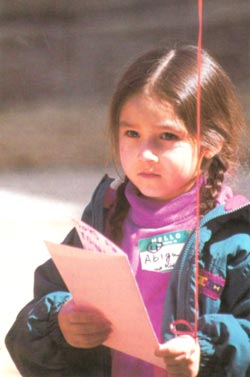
{"x":156,"y":152}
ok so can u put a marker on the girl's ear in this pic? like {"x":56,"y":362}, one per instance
{"x":208,"y":153}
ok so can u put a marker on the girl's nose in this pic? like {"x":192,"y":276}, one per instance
{"x":149,"y":155}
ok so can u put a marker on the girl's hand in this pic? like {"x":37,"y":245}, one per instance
{"x":181,"y":355}
{"x":83,"y":327}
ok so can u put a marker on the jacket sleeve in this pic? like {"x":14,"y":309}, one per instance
{"x":39,"y":350}
{"x":224,"y":322}
{"x":225,"y":334}
{"x":35,"y":341}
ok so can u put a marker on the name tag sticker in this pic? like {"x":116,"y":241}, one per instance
{"x":160,"y":253}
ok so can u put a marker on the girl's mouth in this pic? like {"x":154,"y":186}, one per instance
{"x":148,"y":174}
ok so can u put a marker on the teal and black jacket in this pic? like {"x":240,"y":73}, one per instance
{"x":39,"y":350}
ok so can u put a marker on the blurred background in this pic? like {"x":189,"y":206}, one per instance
{"x":59,"y":63}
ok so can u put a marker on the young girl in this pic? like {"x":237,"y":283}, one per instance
{"x":151,"y":214}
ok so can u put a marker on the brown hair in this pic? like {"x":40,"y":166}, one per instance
{"x":172,"y":77}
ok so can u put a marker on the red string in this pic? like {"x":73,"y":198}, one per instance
{"x":193,"y":330}
{"x":185,"y":324}
{"x":197,"y":230}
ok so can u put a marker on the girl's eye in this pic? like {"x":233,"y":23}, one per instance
{"x":131,"y":133}
{"x":169,"y":136}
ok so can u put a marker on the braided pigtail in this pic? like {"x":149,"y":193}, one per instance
{"x":211,"y":189}
{"x":121,"y":208}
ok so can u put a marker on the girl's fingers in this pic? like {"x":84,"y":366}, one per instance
{"x":182,"y":345}
{"x":90,"y":328}
{"x":83,"y":327}
{"x":88,"y":340}
{"x":181,"y":356}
